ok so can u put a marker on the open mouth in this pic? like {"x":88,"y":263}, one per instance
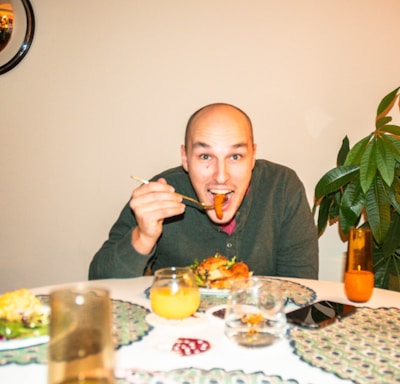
{"x":227,"y":194}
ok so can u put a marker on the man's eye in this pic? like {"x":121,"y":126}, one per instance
{"x":236,"y":157}
{"x":204,"y":157}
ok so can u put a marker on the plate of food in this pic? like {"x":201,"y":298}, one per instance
{"x":24,"y":320}
{"x":214,"y":275}
{"x":214,"y":292}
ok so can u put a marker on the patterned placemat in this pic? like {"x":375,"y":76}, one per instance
{"x":363,"y":347}
{"x":129,"y":326}
{"x":293,"y":293}
{"x":200,"y":376}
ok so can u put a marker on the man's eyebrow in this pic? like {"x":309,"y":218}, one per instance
{"x":200,"y":144}
{"x":240,"y":145}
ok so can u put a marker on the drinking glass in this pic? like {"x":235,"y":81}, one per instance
{"x":81,"y":349}
{"x":255,"y":315}
{"x":359,"y":275}
{"x":174,"y":293}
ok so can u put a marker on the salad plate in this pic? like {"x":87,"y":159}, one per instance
{"x":214,"y":292}
{"x":6,"y":345}
{"x":24,"y":336}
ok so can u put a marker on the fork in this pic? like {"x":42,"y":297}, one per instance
{"x":199,"y":203}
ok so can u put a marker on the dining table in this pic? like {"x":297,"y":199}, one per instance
{"x":363,"y":347}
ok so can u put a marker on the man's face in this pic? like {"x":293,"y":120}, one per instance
{"x":219,"y":157}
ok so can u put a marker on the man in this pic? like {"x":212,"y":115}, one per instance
{"x":266,"y":221}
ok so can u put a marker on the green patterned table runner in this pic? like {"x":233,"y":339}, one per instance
{"x":293,"y":293}
{"x":200,"y":376}
{"x":363,"y":347}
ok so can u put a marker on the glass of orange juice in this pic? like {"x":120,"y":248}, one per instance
{"x":174,"y":293}
{"x":359,"y":275}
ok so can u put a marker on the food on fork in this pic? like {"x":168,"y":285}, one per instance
{"x":22,"y":315}
{"x":218,"y":271}
{"x":218,"y":203}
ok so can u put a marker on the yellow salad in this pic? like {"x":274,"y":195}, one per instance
{"x":22,"y":315}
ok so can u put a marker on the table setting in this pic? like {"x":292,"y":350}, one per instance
{"x":360,"y":348}
{"x":129,"y":325}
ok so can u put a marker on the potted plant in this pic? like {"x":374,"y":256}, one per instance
{"x":364,"y":190}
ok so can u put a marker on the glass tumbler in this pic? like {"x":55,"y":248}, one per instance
{"x":359,"y":275}
{"x":81,"y":349}
{"x":255,"y":315}
{"x":174,"y":293}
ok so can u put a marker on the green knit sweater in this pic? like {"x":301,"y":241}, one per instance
{"x":275,"y":232}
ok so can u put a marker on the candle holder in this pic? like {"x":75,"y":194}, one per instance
{"x":359,"y":275}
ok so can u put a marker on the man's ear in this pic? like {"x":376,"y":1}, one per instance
{"x":184,"y":158}
{"x":254,"y":154}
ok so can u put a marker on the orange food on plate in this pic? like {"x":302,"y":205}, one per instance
{"x":218,"y":203}
{"x":218,"y":271}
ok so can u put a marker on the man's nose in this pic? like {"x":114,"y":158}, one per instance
{"x":221,"y":172}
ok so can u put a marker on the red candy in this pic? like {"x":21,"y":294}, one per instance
{"x":187,"y":347}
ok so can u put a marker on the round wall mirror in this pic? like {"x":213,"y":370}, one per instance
{"x":17,"y":25}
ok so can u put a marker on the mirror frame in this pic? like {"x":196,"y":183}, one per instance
{"x":21,"y":36}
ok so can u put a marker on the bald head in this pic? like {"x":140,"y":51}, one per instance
{"x":215,"y":113}
{"x":219,"y":155}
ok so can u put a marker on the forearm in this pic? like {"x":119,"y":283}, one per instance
{"x":142,"y":244}
{"x":117,"y":258}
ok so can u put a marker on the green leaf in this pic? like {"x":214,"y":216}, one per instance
{"x":357,"y":152}
{"x":323,"y":214}
{"x":392,"y":241}
{"x":386,"y":104}
{"x":394,"y":141}
{"x":394,"y":195}
{"x":378,"y":210}
{"x":199,"y":281}
{"x":385,"y":161}
{"x":14,"y":330}
{"x":386,"y":266}
{"x":381,"y":277}
{"x":335,"y":207}
{"x":395,"y":271}
{"x":230,"y":263}
{"x":394,"y":129}
{"x":382,"y":121}
{"x":379,"y":266}
{"x":368,"y":166}
{"x":352,"y":204}
{"x":350,"y":216}
{"x":195,"y":264}
{"x":335,"y":179}
{"x":343,"y":151}
{"x":392,"y":144}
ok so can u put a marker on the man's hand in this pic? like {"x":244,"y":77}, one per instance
{"x":152,"y":203}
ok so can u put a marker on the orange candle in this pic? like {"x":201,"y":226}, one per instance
{"x":358,"y":285}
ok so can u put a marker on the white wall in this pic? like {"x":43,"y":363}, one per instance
{"x":107,"y":87}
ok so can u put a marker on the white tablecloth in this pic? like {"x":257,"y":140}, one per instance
{"x":153,"y":351}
